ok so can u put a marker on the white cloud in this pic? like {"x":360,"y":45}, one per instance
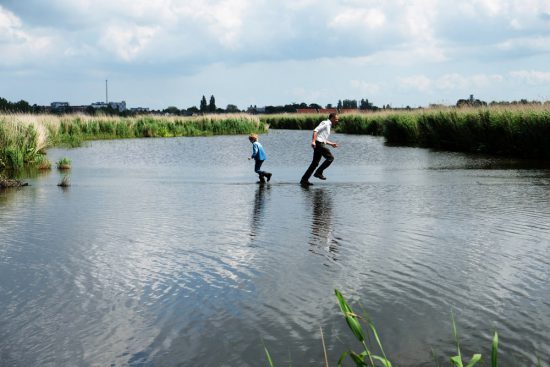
{"x":491,"y":7}
{"x":127,"y":42}
{"x":537,"y":43}
{"x":451,"y":82}
{"x":18,"y":46}
{"x":365,"y":88}
{"x":362,"y":19}
{"x":531,"y":77}
{"x":366,"y":47}
{"x":483,"y":80}
{"x":419,"y":82}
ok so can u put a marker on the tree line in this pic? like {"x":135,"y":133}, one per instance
{"x":209,"y":107}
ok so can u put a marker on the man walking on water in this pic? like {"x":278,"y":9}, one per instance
{"x":319,"y":144}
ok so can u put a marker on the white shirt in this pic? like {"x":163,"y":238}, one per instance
{"x":323,"y":131}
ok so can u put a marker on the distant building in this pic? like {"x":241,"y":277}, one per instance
{"x":99,"y":105}
{"x":58,"y":105}
{"x":119,"y":106}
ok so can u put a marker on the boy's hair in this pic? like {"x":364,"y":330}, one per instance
{"x":253,"y":136}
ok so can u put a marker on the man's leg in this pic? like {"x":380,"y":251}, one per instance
{"x":314,"y":163}
{"x":329,"y":158}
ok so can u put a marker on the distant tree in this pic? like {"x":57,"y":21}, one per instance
{"x":349,"y":103}
{"x":339,"y":106}
{"x":365,"y":105}
{"x":314,"y":105}
{"x":212,"y":104}
{"x":470,"y":103}
{"x":203,"y":105}
{"x":231,"y":108}
{"x":172,"y":110}
{"x":38,"y":109}
{"x":193,"y":109}
{"x":329,"y":106}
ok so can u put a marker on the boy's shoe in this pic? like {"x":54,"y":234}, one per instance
{"x":268,"y":176}
{"x":319,"y":176}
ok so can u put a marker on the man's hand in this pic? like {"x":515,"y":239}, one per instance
{"x":313,"y":144}
{"x":334,"y":145}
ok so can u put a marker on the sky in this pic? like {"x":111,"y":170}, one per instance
{"x":165,"y":53}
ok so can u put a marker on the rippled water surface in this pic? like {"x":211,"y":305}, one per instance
{"x":165,"y":252}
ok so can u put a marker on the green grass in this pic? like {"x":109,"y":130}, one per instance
{"x":25,"y":137}
{"x":63,"y":163}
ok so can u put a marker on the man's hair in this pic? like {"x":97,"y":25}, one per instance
{"x":331,"y":115}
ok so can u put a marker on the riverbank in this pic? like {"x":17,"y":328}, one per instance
{"x":517,"y":131}
{"x":25,"y":137}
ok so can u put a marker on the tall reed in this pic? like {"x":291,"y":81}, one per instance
{"x":23,"y":137}
{"x":516,"y":131}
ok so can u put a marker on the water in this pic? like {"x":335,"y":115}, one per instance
{"x":165,"y":252}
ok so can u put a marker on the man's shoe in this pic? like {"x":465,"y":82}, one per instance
{"x":319,"y":176}
{"x":268,"y":176}
{"x":306,"y":183}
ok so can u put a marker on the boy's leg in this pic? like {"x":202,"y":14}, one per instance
{"x":257,"y":169}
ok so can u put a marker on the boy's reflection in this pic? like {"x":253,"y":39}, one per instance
{"x":322,"y":240}
{"x":258,"y":211}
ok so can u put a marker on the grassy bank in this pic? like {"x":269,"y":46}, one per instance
{"x":521,"y":131}
{"x":24,"y":137}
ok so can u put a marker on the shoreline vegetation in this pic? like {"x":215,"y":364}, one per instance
{"x":516,"y":132}
{"x":511,"y":131}
{"x":24,"y":138}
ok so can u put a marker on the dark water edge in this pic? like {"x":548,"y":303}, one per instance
{"x":165,"y":252}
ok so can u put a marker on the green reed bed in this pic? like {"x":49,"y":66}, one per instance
{"x":24,"y":137}
{"x":360,"y":123}
{"x":522,"y":131}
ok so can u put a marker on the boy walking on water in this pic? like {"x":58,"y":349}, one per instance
{"x":258,"y":154}
{"x":319,"y":144}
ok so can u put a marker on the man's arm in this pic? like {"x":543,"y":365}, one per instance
{"x":332,"y":144}
{"x":314,"y":139}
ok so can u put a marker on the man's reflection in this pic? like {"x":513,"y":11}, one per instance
{"x":322,"y":238}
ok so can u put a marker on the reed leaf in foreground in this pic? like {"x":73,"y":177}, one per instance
{"x":457,"y":360}
{"x":366,"y":358}
{"x":268,"y":356}
{"x":494,"y":351}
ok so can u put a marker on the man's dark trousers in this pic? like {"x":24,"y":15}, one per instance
{"x":320,"y":150}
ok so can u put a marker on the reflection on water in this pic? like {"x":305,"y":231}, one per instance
{"x":322,"y":238}
{"x":154,"y":260}
{"x":259,"y":208}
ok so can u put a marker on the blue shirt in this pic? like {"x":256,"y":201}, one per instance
{"x":258,"y":152}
